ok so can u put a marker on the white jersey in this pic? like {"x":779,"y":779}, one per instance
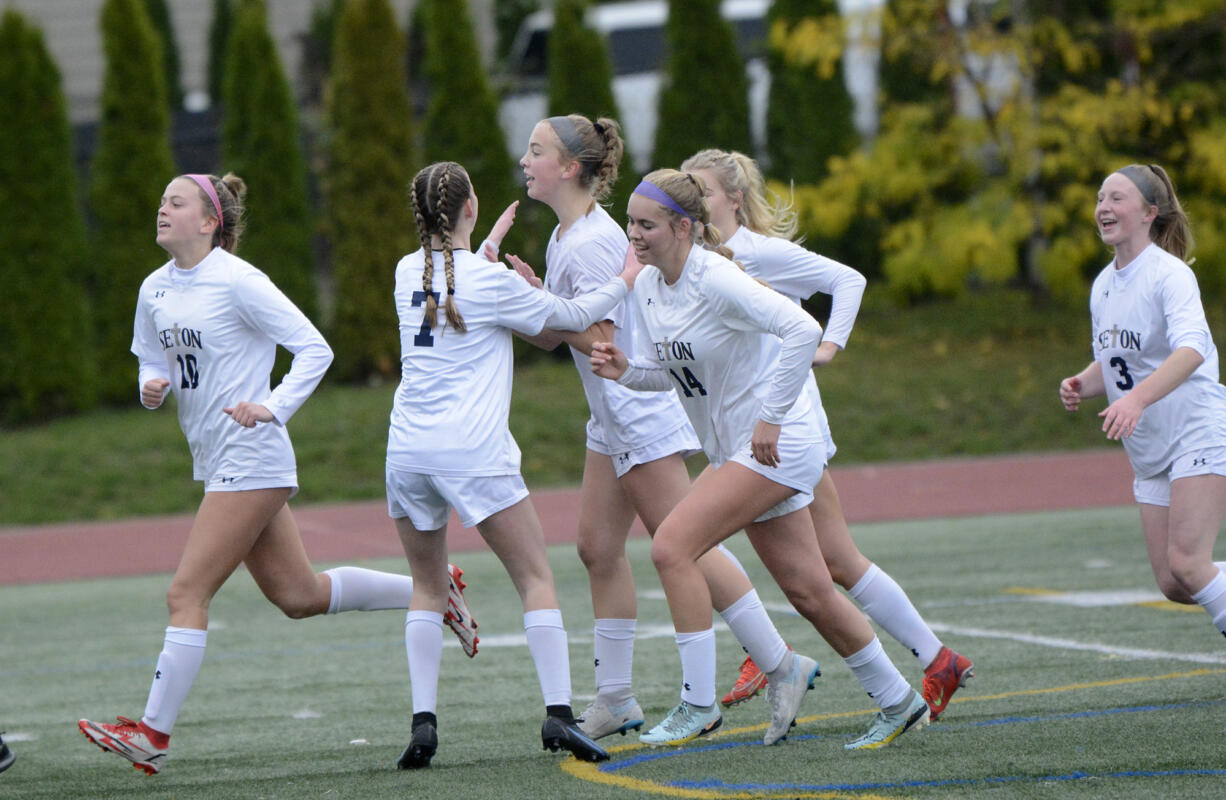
{"x":702,"y":336}
{"x":212,"y":331}
{"x":451,"y":408}
{"x":1140,"y":315}
{"x":591,"y":252}
{"x":798,"y":274}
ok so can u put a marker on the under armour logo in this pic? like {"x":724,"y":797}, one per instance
{"x":686,"y":686}
{"x":650,"y":302}
{"x":596,"y":662}
{"x":159,"y":293}
{"x":226,"y":480}
{"x":157,"y":674}
{"x":1200,"y":462}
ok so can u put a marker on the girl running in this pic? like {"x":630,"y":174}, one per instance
{"x":1155,"y":359}
{"x":636,"y":442}
{"x":207,"y":326}
{"x":702,"y":335}
{"x":759,"y":234}
{"x":449,"y":445}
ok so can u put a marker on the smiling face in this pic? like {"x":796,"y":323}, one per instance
{"x":723,"y":205}
{"x":650,"y":229}
{"x":546,"y":167}
{"x":182,"y":218}
{"x":1122,"y":215}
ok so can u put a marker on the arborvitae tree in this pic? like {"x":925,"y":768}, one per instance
{"x":219,"y":37}
{"x":130,"y":170}
{"x":316,"y":62}
{"x":704,"y":101}
{"x":581,"y":82}
{"x":159,"y":15}
{"x":508,"y":16}
{"x":47,"y":363}
{"x":370,"y":163}
{"x":810,"y":113}
{"x":261,"y":142}
{"x":461,"y":121}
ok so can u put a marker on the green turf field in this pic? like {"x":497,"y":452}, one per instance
{"x":1084,"y":690}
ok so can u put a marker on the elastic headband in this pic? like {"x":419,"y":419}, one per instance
{"x":568,"y":133}
{"x":1134,"y":174}
{"x":207,"y":185}
{"x":648,"y":189}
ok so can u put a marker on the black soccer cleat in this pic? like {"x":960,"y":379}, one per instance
{"x":422,"y":746}
{"x":559,"y":734}
{"x":7,"y":756}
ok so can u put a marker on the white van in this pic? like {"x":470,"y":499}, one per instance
{"x":635,"y":34}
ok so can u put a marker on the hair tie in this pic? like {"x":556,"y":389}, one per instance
{"x":568,"y":133}
{"x":206,"y":184}
{"x":648,"y":189}
{"x":450,"y":290}
{"x":1134,"y":174}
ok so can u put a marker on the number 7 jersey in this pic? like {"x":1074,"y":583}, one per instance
{"x":1139,"y":316}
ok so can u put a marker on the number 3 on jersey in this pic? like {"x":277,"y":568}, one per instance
{"x":423,"y":337}
{"x":689,"y":383}
{"x":1125,"y":381}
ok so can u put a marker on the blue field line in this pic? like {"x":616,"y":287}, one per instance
{"x":655,"y":755}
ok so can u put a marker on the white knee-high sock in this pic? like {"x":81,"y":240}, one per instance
{"x":888,"y":605}
{"x":697,"y":666}
{"x":423,"y":643}
{"x":1212,"y":598}
{"x":358,"y":589}
{"x":753,"y":628}
{"x":178,"y":663}
{"x":548,"y":644}
{"x":614,"y":651}
{"x":878,"y":675}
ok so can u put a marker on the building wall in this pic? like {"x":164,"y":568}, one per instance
{"x":73,"y":37}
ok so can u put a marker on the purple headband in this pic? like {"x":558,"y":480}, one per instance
{"x":205,"y":183}
{"x":648,"y":189}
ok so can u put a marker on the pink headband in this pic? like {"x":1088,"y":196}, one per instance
{"x":207,"y":184}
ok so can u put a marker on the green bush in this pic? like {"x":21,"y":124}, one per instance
{"x":371,"y":160}
{"x":130,"y":169}
{"x":47,"y":363}
{"x":219,"y":38}
{"x":261,"y":142}
{"x":159,"y":15}
{"x":704,"y":101}
{"x":809,"y":115}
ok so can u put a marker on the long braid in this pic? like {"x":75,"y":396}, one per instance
{"x":423,"y":233}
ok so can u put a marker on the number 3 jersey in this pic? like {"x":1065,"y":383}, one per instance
{"x":1140,"y":315}
{"x":703,"y":337}
{"x":212,"y":331}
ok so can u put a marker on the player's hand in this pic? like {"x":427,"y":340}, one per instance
{"x":765,"y":443}
{"x":826,"y":351}
{"x":631,"y":267}
{"x":154,"y":392}
{"x":608,"y":361}
{"x":248,"y":414}
{"x":525,"y":271}
{"x":1120,"y":418}
{"x":1070,"y":393}
{"x":501,"y":225}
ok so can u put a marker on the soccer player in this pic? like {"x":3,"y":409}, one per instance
{"x":449,"y":445}
{"x":207,"y":327}
{"x":705,"y":328}
{"x":636,"y":442}
{"x":1155,"y":360}
{"x":758,"y":232}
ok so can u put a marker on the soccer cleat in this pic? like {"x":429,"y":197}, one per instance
{"x":7,"y":756}
{"x":885,"y":728}
{"x":947,"y":672}
{"x":458,"y":617}
{"x":683,"y":723}
{"x":600,"y":719}
{"x":748,"y":684}
{"x":129,"y":739}
{"x":422,"y":746}
{"x":786,"y":695}
{"x":559,"y":734}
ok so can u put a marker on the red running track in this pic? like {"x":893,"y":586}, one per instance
{"x":339,"y":532}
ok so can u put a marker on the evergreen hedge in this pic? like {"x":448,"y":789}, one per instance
{"x":704,"y":100}
{"x":219,"y":38}
{"x":809,"y":117}
{"x":47,"y":363}
{"x":371,"y":160}
{"x":130,"y":170}
{"x":159,"y":15}
{"x":261,"y":142}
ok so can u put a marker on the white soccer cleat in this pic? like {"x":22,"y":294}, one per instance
{"x":129,"y":739}
{"x":600,"y":719}
{"x":458,"y":617}
{"x":685,"y":722}
{"x":786,"y":694}
{"x":885,"y":728}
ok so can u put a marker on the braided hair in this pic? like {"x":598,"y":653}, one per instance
{"x":438,"y":193}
